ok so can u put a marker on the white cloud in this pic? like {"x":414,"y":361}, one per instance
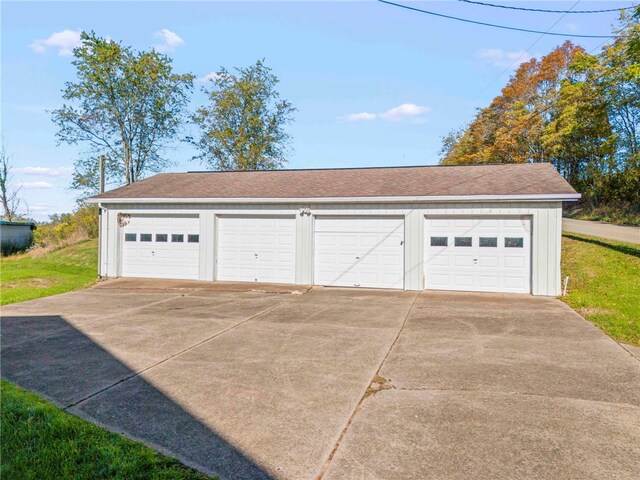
{"x":401,"y":111}
{"x":358,"y":117}
{"x":41,"y":211}
{"x":37,"y":185}
{"x":504,"y":58}
{"x":208,"y":77}
{"x":572,"y":27}
{"x":394,"y":114}
{"x":64,"y":41}
{"x":44,"y":171}
{"x":170,"y":40}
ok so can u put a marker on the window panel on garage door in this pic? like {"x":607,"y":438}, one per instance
{"x":359,"y":251}
{"x":481,"y":254}
{"x":152,"y":255}
{"x":256,"y":249}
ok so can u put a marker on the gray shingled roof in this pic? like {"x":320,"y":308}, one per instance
{"x":484,"y":180}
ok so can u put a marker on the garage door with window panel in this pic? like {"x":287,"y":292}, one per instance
{"x":161,"y":246}
{"x":361,"y":251}
{"x":478,"y":254}
{"x":256,"y":249}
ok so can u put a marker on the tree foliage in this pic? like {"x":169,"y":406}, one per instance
{"x":124,"y":104}
{"x":243,"y":126}
{"x":578,"y":111}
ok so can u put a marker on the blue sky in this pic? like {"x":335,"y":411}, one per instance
{"x":374,"y":85}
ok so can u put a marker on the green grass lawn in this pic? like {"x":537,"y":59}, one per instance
{"x":25,"y":277}
{"x":604,"y":284}
{"x":40,"y":441}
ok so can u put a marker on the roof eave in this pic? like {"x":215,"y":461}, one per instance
{"x":546,"y":197}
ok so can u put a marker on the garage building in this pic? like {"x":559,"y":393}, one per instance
{"x":487,"y":228}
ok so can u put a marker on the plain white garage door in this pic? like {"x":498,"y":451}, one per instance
{"x":257,"y":249}
{"x":359,"y":252}
{"x":478,"y":254}
{"x":161,"y":247}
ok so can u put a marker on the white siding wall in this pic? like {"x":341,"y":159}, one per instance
{"x":208,"y":229}
{"x":304,"y":248}
{"x":113,"y":244}
{"x":546,"y":233}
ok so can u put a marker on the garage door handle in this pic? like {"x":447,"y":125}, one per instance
{"x":357,"y":258}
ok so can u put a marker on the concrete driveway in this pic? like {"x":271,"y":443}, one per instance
{"x":337,"y":383}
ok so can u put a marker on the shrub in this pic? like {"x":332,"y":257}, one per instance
{"x":9,"y":247}
{"x":68,"y":227}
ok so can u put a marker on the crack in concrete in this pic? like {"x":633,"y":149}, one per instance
{"x":170,"y":357}
{"x":376,"y":376}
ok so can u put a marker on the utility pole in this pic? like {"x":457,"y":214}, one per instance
{"x":101,"y":167}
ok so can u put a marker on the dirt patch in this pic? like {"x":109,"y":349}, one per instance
{"x":30,"y":283}
{"x":585,"y":312}
{"x":378,"y":383}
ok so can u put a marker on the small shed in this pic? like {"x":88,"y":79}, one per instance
{"x":16,"y":236}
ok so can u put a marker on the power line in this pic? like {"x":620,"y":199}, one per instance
{"x":525,"y":52}
{"x":525,"y":9}
{"x":504,"y":27}
{"x":596,"y":47}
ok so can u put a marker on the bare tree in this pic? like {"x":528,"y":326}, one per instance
{"x":9,"y":195}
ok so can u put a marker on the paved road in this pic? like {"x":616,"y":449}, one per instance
{"x":338,"y":384}
{"x":602,"y":230}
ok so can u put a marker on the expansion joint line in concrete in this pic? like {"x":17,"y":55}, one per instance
{"x":629,"y":352}
{"x":343,"y":433}
{"x":177,"y":354}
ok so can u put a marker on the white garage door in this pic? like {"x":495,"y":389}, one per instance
{"x":359,"y":252}
{"x":257,"y":249}
{"x":478,"y":254}
{"x":161,"y":247}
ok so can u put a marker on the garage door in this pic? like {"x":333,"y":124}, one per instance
{"x":359,"y":252}
{"x":478,"y":254}
{"x":256,"y":249}
{"x":161,"y":247}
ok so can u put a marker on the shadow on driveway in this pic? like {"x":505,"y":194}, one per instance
{"x":47,"y":355}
